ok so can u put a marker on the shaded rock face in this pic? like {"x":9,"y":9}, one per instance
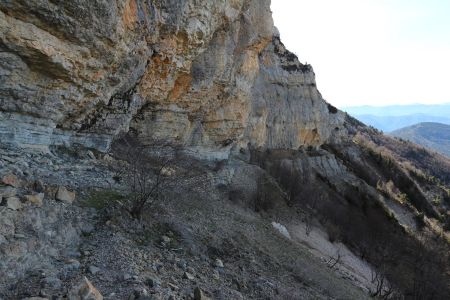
{"x":209,"y":75}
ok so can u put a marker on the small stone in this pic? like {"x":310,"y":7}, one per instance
{"x":126,"y":277}
{"x":108,"y":157}
{"x":2,"y":239}
{"x":36,"y":199}
{"x":64,"y":195}
{"x":90,"y":154}
{"x":13,"y":203}
{"x":182,"y":264}
{"x":144,"y":292}
{"x":165,"y":239}
{"x":11,"y":180}
{"x":38,"y":186}
{"x":218,"y":263}
{"x":72,"y":264}
{"x":139,"y":295}
{"x":51,"y":282}
{"x":281,"y":229}
{"x":19,"y":236}
{"x":35,"y":298}
{"x":84,"y":291}
{"x":93,"y":270}
{"x":216,"y":275}
{"x":7,"y":191}
{"x":152,"y":282}
{"x":87,"y":228}
{"x":199,"y":294}
{"x":167,"y":171}
{"x":188,"y":276}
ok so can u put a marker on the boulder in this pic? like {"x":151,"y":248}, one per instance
{"x":36,"y":199}
{"x":72,"y":265}
{"x":7,"y":191}
{"x":165,"y":239}
{"x":153,"y":282}
{"x":84,"y":291}
{"x":218,"y":263}
{"x":90,"y":155}
{"x":199,"y":294}
{"x":64,"y":195}
{"x":11,"y":180}
{"x":13,"y":203}
{"x":38,"y":186}
{"x":108,"y":158}
{"x":93,"y":270}
{"x":188,"y":276}
{"x":281,"y":229}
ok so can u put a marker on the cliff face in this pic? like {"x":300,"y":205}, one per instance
{"x":213,"y":77}
{"x":210,"y":75}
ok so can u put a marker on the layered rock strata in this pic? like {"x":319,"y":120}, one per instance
{"x":210,"y":75}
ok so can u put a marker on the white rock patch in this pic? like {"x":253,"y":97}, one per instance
{"x":281,"y":229}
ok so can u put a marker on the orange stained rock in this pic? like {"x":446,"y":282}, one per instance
{"x":181,"y":86}
{"x":129,"y":16}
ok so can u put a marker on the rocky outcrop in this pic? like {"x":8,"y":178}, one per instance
{"x":214,"y":78}
{"x":210,"y":75}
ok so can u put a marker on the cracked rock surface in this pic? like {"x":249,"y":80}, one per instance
{"x":210,"y":75}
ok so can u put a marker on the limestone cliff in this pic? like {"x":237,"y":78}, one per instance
{"x":365,"y":214}
{"x":210,"y":75}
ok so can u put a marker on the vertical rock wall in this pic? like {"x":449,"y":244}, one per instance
{"x":210,"y":75}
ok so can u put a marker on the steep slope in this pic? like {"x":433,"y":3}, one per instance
{"x":298,"y":199}
{"x":435,"y":136}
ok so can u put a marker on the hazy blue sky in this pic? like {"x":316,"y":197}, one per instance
{"x":374,"y":52}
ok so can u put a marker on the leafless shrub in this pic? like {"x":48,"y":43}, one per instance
{"x":268,"y":194}
{"x":334,"y":260}
{"x":383,"y":289}
{"x":308,"y":217}
{"x":148,"y":173}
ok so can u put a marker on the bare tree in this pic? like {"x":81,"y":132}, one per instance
{"x":149,"y":172}
{"x":334,"y":260}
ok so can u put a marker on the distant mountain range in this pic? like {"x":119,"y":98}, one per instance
{"x":389,"y":118}
{"x":431,"y":135}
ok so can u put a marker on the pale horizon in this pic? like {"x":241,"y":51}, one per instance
{"x":371,"y":52}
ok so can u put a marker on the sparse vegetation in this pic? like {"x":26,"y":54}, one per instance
{"x":150,"y":172}
{"x":349,"y":214}
{"x":100,"y":199}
